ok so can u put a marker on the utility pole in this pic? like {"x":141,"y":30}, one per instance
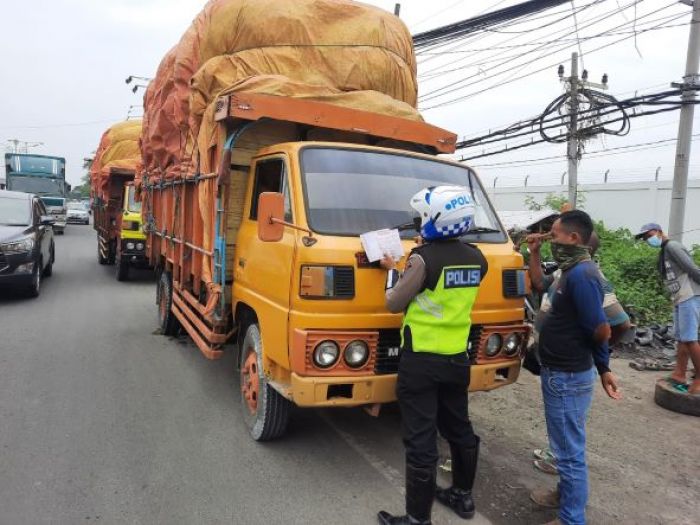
{"x":685,"y":128}
{"x":572,"y":143}
{"x":574,"y":85}
{"x":397,"y":9}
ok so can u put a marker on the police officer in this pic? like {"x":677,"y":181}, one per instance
{"x":437,"y":292}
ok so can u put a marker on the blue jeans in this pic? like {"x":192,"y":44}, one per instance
{"x":567,"y":398}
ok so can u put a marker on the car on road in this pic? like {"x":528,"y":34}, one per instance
{"x":27,"y":250}
{"x":77,"y":214}
{"x":56,"y":206}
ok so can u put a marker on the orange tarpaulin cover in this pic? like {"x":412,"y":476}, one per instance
{"x":118,"y":149}
{"x":338,"y":51}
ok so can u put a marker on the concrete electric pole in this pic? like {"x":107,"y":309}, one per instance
{"x":685,"y":129}
{"x":573,"y":148}
{"x":572,"y":144}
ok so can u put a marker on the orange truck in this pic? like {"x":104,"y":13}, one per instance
{"x":116,"y":213}
{"x":258,"y":181}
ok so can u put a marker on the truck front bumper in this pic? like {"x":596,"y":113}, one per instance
{"x":365,"y":390}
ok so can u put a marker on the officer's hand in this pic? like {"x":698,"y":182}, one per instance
{"x":418,"y":240}
{"x":610,"y":385}
{"x":387,"y":262}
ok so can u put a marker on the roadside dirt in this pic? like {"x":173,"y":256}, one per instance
{"x":643,"y":460}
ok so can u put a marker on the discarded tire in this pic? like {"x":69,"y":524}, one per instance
{"x":670,"y":399}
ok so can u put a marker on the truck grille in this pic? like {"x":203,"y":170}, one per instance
{"x":514,"y":283}
{"x":389,"y":349}
{"x":344,"y":282}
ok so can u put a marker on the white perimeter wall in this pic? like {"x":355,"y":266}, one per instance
{"x":627,"y":205}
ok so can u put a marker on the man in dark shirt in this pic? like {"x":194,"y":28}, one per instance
{"x":573,"y":339}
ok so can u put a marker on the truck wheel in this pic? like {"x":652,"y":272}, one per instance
{"x":265,"y":411}
{"x":122,"y":269}
{"x":167,"y":321}
{"x":35,"y":288}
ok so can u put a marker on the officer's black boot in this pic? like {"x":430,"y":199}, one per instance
{"x":459,"y":496}
{"x":420,"y":490}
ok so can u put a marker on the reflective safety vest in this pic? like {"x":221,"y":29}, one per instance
{"x":438,"y":319}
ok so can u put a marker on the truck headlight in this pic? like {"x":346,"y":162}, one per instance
{"x":139,"y":246}
{"x":130,"y":246}
{"x":326,"y":354}
{"x":493,"y":345}
{"x":511,"y":344}
{"x":356,"y":353}
{"x":21,"y":246}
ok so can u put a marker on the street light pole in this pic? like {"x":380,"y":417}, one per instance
{"x":685,"y":129}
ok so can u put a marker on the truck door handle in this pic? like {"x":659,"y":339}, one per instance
{"x":241,"y":262}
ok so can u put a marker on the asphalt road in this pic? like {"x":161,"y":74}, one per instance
{"x":103,"y":420}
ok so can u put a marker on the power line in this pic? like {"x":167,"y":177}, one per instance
{"x":598,"y":153}
{"x":464,"y":83}
{"x":503,"y":83}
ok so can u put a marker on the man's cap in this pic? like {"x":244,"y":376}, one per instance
{"x":647,"y":228}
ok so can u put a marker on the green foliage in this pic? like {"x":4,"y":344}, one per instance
{"x":554,"y":202}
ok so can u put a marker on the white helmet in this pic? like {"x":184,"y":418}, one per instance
{"x":445,"y":211}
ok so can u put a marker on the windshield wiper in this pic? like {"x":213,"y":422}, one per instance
{"x":413,"y":225}
{"x":482,"y":229}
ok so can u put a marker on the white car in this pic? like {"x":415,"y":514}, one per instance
{"x":77,"y":214}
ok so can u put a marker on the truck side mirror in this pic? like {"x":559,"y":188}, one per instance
{"x":47,"y":220}
{"x":270,"y":217}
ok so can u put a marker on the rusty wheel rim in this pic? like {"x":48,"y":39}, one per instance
{"x":250,"y":381}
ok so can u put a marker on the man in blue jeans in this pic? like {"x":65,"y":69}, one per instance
{"x":573,"y":344}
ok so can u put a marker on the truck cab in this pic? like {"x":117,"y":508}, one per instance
{"x":302,"y":266}
{"x":131,"y":243}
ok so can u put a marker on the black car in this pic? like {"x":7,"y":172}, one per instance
{"x":27,"y":250}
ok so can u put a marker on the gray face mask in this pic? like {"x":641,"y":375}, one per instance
{"x":568,"y":255}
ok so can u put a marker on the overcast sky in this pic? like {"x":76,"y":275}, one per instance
{"x":65,"y":61}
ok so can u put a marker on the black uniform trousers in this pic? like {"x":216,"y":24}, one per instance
{"x":432,"y":393}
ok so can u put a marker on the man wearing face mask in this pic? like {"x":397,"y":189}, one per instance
{"x":573,"y":340}
{"x":681,"y":277}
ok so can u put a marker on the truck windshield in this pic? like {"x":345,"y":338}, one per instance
{"x":133,"y":204}
{"x":36,"y":164}
{"x":38,"y":185}
{"x":53,"y":202}
{"x":349,"y":192}
{"x":14,"y":212}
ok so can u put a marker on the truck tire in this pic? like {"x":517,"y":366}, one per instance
{"x":122,"y":269}
{"x":167,"y":321}
{"x":265,"y":411}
